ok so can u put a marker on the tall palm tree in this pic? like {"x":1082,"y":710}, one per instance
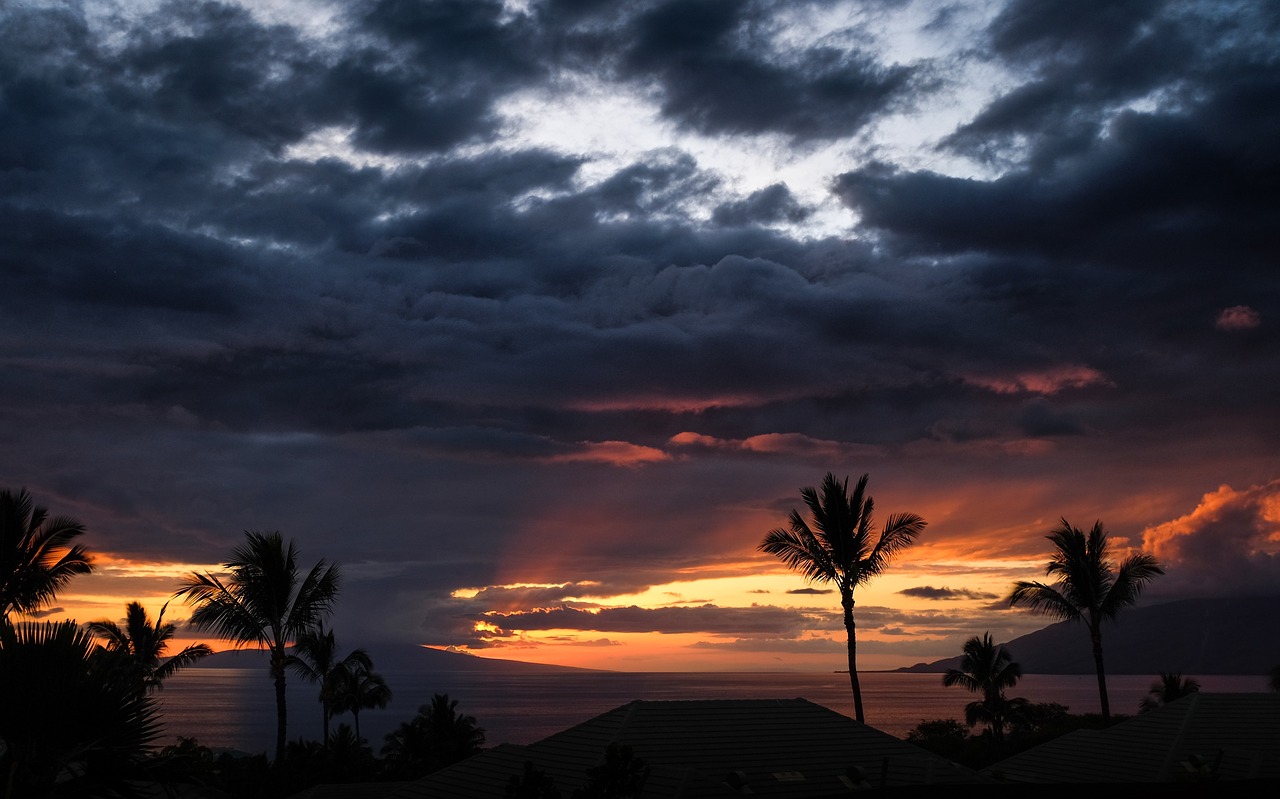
{"x":37,"y":557}
{"x":144,"y":644}
{"x":315,"y":659}
{"x":1168,"y":688}
{"x":357,"y":688}
{"x":838,"y":546}
{"x":263,"y":602}
{"x":987,"y":669}
{"x":1087,"y":587}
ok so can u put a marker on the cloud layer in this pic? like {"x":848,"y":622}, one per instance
{"x":467,"y":294}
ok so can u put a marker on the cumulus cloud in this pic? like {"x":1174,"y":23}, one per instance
{"x":1229,"y":545}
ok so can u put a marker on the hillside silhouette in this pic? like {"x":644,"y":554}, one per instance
{"x":397,"y":657}
{"x":1192,"y":636}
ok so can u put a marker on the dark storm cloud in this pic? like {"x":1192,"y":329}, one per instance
{"x":773,"y":203}
{"x":930,"y":592}
{"x":1082,"y":59}
{"x":717,"y":75}
{"x":479,"y":349}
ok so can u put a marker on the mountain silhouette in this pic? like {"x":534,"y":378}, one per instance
{"x":1191,"y":636}
{"x":398,"y":657}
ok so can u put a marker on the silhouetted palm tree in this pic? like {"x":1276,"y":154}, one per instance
{"x":37,"y":557}
{"x":1273,"y":679}
{"x":262,"y":601}
{"x":438,"y":736}
{"x":144,"y":644}
{"x":987,"y":669}
{"x":356,"y":688}
{"x":1168,"y":688}
{"x":315,"y":659}
{"x":1088,"y":587}
{"x":73,"y":721}
{"x":838,"y":546}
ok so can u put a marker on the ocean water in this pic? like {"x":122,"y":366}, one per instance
{"x":235,"y":708}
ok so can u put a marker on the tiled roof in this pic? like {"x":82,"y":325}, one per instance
{"x":1232,"y":736}
{"x":711,"y":748}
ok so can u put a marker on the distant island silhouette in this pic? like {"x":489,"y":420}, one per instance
{"x":398,"y":657}
{"x":1191,"y":636}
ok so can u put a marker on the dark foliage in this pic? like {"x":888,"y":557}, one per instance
{"x":73,"y":718}
{"x":436,"y":737}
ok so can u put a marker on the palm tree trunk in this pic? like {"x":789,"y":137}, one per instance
{"x":277,"y":671}
{"x":355,"y":712}
{"x":1095,"y":633}
{"x":846,"y":600}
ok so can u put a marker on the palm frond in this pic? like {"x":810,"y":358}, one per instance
{"x":221,"y":609}
{"x":188,"y":656}
{"x":801,"y":552}
{"x":110,"y":632}
{"x":1043,"y":600}
{"x":955,"y":677}
{"x":900,"y":532}
{"x":1134,"y":573}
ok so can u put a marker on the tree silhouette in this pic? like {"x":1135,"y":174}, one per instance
{"x":143,"y":644}
{"x":37,"y":556}
{"x":262,"y":601}
{"x":987,"y":669}
{"x":438,"y":736}
{"x":1088,"y":587}
{"x":357,"y":688}
{"x":73,"y":720}
{"x":1273,"y":679}
{"x":1167,"y":688}
{"x":315,"y":659}
{"x":622,"y":775}
{"x":533,"y":783}
{"x":837,"y":546}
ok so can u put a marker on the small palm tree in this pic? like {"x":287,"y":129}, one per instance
{"x":987,"y":669}
{"x":37,"y":556}
{"x":144,"y":644}
{"x":358,"y":688}
{"x":1088,"y":587}
{"x":838,"y":546}
{"x":1273,"y":678}
{"x":264,"y":600}
{"x":1168,"y":688}
{"x":438,"y":736}
{"x":315,"y":659}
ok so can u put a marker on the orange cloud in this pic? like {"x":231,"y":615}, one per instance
{"x":776,"y":444}
{"x":1230,"y":543}
{"x":614,"y":453}
{"x":1044,"y":381}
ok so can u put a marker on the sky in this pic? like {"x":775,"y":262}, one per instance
{"x":536,"y":316}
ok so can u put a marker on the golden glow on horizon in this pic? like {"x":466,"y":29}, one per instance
{"x":754,"y":580}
